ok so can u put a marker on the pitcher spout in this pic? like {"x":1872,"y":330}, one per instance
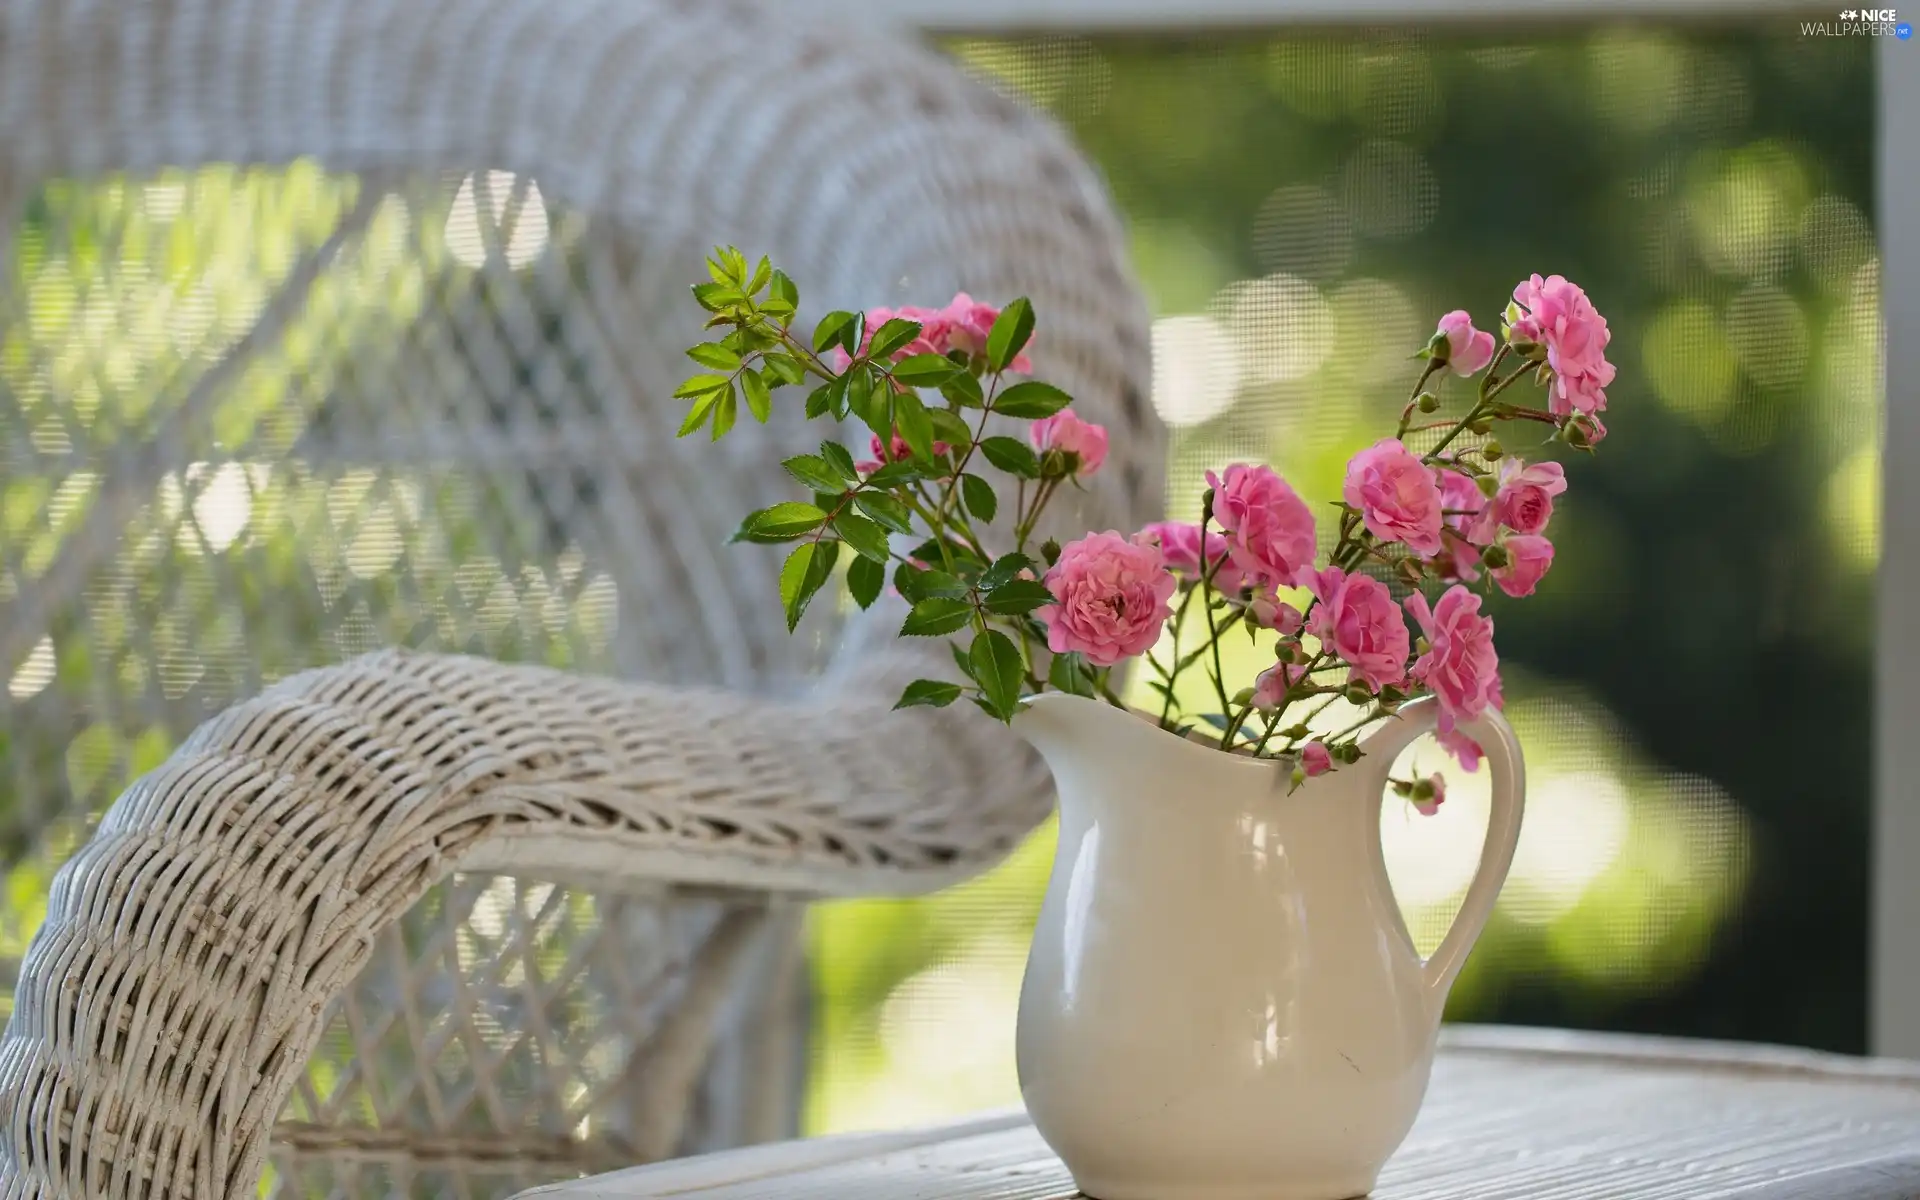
{"x":1062,"y":726}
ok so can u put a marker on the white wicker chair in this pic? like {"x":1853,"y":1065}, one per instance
{"x":424,"y":923}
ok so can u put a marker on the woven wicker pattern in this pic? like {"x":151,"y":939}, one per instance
{"x":442,"y":396}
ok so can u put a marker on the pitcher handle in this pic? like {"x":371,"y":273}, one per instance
{"x":1503,"y":757}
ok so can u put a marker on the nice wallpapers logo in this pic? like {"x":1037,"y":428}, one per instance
{"x":1860,"y":22}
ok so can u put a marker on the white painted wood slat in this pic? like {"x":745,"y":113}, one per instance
{"x":1512,"y":1115}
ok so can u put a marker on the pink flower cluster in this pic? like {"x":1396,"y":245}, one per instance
{"x":1557,"y":314}
{"x":962,"y":325}
{"x":1454,"y":519}
{"x":893,"y":451}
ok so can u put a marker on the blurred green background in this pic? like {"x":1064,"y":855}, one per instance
{"x":1691,"y":682}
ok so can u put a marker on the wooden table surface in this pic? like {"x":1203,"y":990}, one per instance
{"x":1512,"y":1115}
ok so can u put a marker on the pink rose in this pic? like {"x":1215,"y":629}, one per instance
{"x":1357,"y":619}
{"x":1269,"y":612}
{"x":1560,"y":317}
{"x":1270,"y":686}
{"x":896,"y":452}
{"x":1315,"y":760}
{"x":925,"y":343}
{"x":1269,"y":528}
{"x":1460,"y":667}
{"x":1396,"y":495}
{"x":1469,"y":350}
{"x":965,"y":324}
{"x":1463,"y":748}
{"x":1528,"y":557}
{"x":1179,"y":542}
{"x":1431,"y":804}
{"x":1465,"y":506}
{"x":1524,"y":502}
{"x":1110,"y":598}
{"x":1066,"y":432}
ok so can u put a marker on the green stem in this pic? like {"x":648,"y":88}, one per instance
{"x":1179,"y":622}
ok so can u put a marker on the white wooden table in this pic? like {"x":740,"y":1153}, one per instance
{"x":1512,"y":1115}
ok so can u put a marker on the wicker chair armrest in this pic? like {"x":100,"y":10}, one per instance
{"x":191,"y":948}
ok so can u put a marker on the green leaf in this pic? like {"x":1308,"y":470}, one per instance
{"x":809,"y":566}
{"x":1068,"y":673}
{"x":886,"y":510}
{"x":925,"y":370}
{"x":937,"y":616}
{"x":713,"y":354}
{"x":998,"y":670}
{"x":1031,"y":400}
{"x":1005,"y":569}
{"x":697,"y":415}
{"x":1011,"y":329}
{"x":700,"y":385}
{"x":894,"y":474}
{"x":868,"y":403}
{"x":932,"y":693}
{"x":724,"y":413}
{"x":1018,"y":597}
{"x":831,"y":329}
{"x":785,"y":367}
{"x":949,"y":428}
{"x":867,"y":538}
{"x":917,"y":585}
{"x":916,"y":428}
{"x":715,"y":296}
{"x":820,"y":399}
{"x":784,"y":291}
{"x":964,"y":390}
{"x":840,"y":458}
{"x":817,"y":473}
{"x":780,"y":523}
{"x":978,"y":494}
{"x":1012,"y":456}
{"x":891,"y":336}
{"x":761,"y":274}
{"x":960,"y":659}
{"x":929,"y":552}
{"x":759,"y":398}
{"x":865,"y":577}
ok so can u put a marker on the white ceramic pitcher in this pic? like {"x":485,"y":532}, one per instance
{"x":1222,"y":1001}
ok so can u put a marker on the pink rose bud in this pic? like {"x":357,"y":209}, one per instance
{"x":1269,"y":612}
{"x":1469,"y":350}
{"x":1557,"y":314}
{"x":1396,"y":495}
{"x":1315,"y":760}
{"x":1528,"y":557}
{"x":1066,"y":432}
{"x":1429,"y":794}
{"x":1269,"y":528}
{"x":1110,"y":598}
{"x":1270,"y":686}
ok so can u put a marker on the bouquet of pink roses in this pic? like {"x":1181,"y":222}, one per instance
{"x":1419,"y":511}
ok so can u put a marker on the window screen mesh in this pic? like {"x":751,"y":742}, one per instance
{"x":1691,"y":682}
